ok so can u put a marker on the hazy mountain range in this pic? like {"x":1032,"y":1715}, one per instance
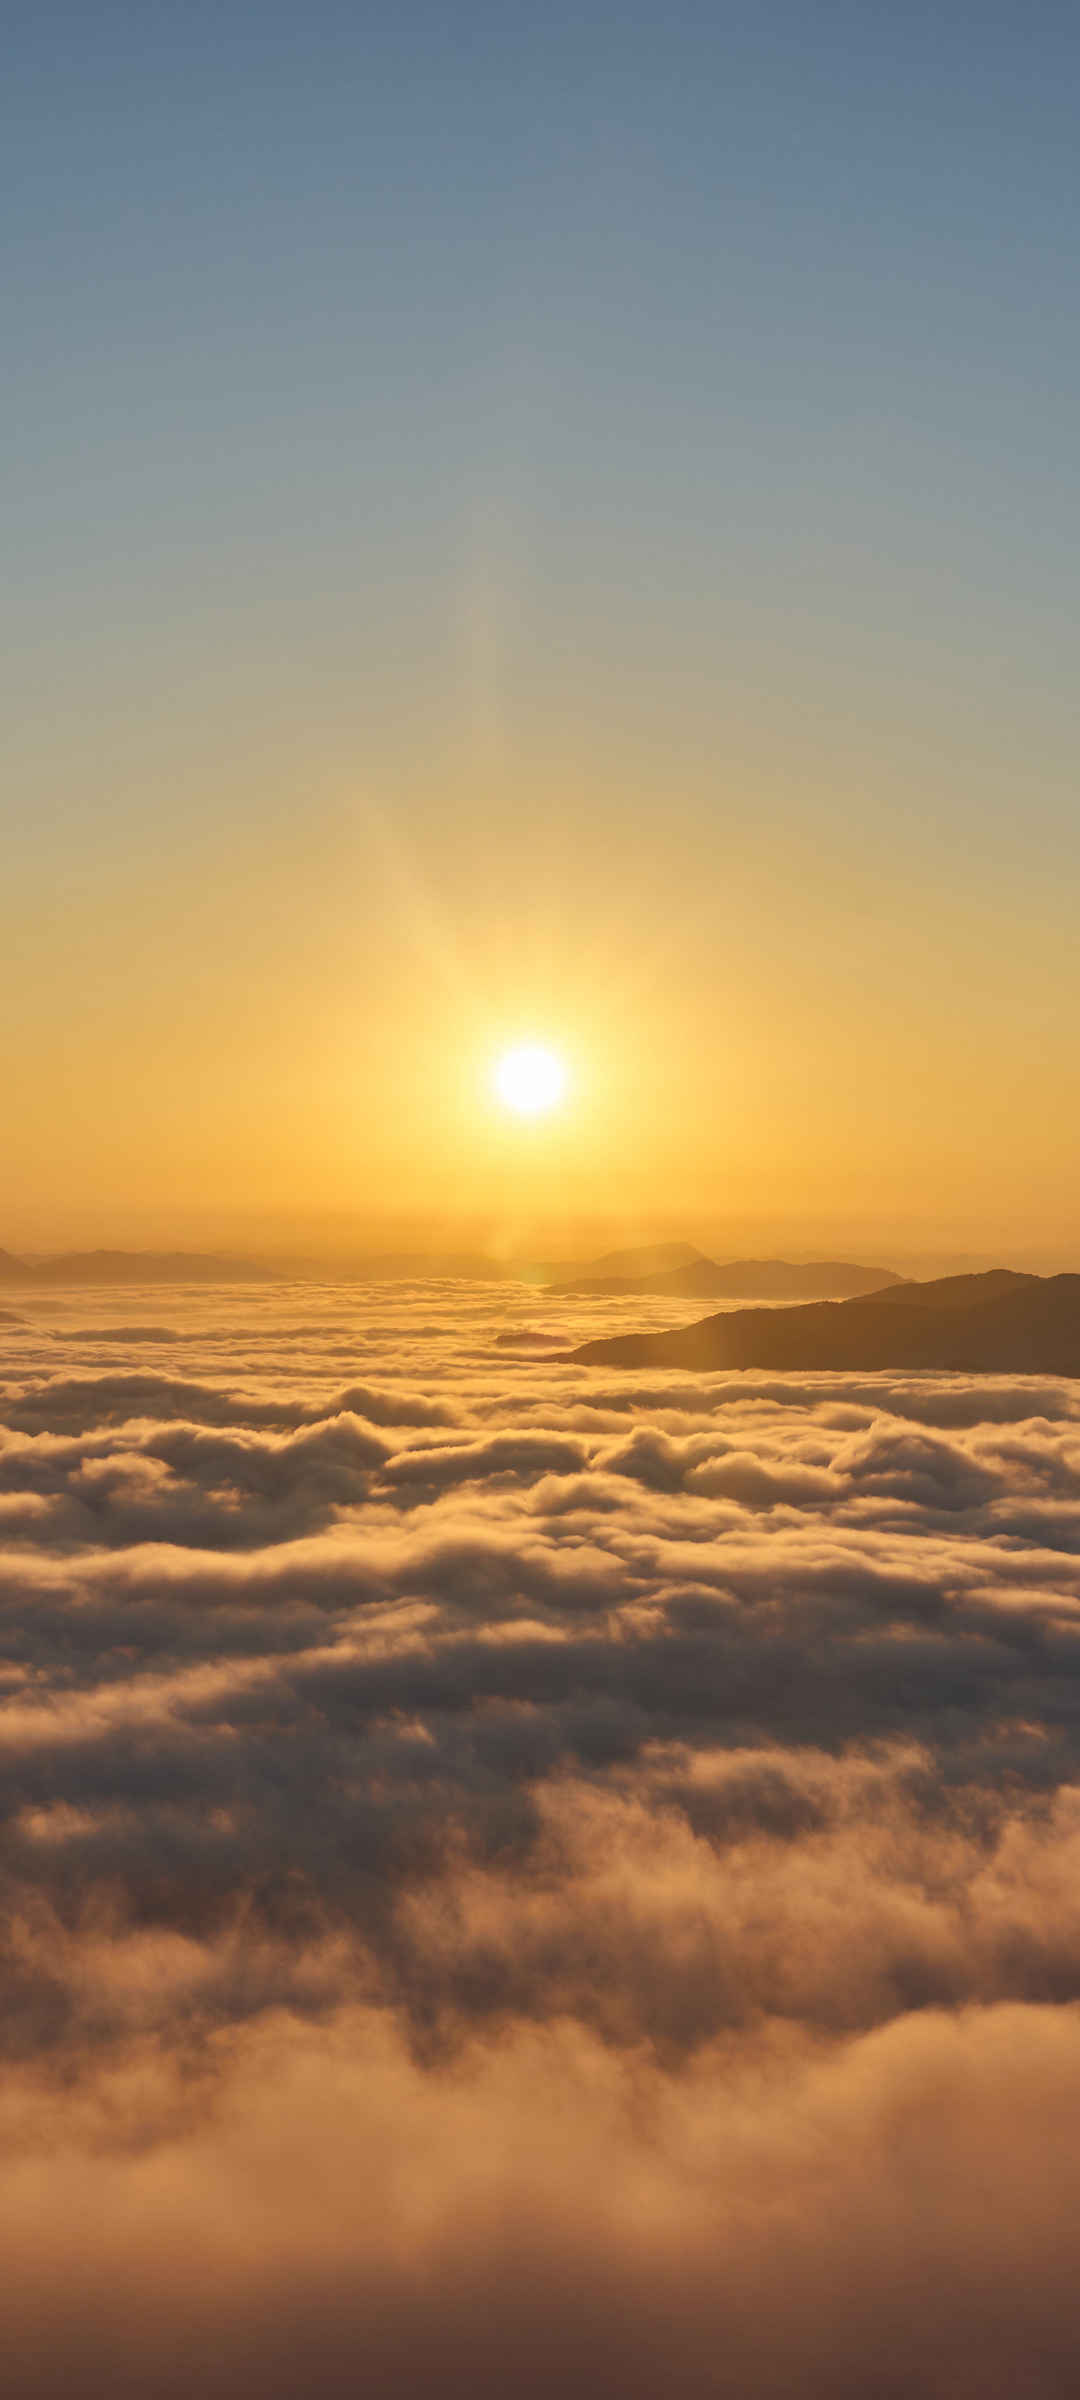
{"x":132,"y":1266}
{"x":676,"y":1269}
{"x":691,"y":1275}
{"x":999,"y":1322}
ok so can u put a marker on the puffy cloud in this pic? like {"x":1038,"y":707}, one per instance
{"x":515,"y":1877}
{"x":325,"y":2212}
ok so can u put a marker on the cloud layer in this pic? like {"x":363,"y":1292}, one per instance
{"x":517,"y":1876}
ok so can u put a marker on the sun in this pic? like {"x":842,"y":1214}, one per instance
{"x":530,"y":1079}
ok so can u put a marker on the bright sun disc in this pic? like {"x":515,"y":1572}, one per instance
{"x":530,"y":1079}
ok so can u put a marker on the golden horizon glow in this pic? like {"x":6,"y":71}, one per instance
{"x":530,"y":1079}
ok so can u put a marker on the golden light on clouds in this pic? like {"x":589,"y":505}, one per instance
{"x":530,"y":1079}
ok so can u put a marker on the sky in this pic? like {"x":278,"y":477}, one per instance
{"x":541,"y":525}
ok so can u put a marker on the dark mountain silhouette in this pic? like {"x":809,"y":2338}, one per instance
{"x":701,"y":1278}
{"x":958,"y":1291}
{"x":997,"y":1323}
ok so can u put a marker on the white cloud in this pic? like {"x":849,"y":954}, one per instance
{"x":611,"y":1841}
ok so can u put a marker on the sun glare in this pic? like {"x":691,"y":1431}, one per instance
{"x":530,"y":1079}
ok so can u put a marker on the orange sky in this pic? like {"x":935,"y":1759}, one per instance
{"x":294,"y":1016}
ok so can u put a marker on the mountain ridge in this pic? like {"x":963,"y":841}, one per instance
{"x":737,"y":1279}
{"x":677,"y":1269}
{"x":1002,"y":1322}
